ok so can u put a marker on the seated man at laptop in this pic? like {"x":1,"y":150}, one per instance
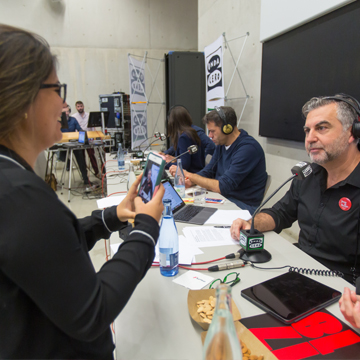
{"x":237,"y":168}
{"x":73,"y":126}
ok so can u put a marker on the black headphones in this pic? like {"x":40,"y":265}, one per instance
{"x":355,"y":130}
{"x":226,"y":128}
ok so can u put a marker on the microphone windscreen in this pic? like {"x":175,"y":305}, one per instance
{"x":192,"y":149}
{"x":302,"y":170}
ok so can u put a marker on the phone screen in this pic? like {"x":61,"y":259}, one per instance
{"x":151,"y":177}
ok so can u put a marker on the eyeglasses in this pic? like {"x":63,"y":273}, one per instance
{"x":230,"y":279}
{"x":61,"y":89}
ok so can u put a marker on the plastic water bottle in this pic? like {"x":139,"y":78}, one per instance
{"x":120,"y":158}
{"x":179,"y":182}
{"x":131,"y":177}
{"x":168,"y":243}
{"x":221,"y":341}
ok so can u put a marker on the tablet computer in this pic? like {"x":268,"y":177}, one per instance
{"x":291,"y":297}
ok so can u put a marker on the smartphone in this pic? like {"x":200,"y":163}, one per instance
{"x":151,"y":178}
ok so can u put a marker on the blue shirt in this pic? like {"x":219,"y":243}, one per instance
{"x":207,"y":147}
{"x":73,"y":125}
{"x":192,"y":163}
{"x":240,"y":170}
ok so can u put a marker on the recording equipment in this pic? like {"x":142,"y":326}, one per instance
{"x":252,"y":241}
{"x":230,"y":265}
{"x":344,"y":97}
{"x":226,"y":128}
{"x":95,"y":118}
{"x":162,"y":137}
{"x":192,"y":149}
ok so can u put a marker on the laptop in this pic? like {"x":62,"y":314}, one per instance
{"x":83,"y":140}
{"x":191,"y":214}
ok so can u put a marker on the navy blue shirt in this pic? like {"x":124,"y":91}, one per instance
{"x":240,"y":170}
{"x":207,"y":145}
{"x":192,"y":163}
{"x":73,"y":125}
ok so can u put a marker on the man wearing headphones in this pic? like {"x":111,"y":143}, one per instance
{"x":327,"y":203}
{"x":237,"y":169}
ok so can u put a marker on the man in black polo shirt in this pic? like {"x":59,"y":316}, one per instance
{"x":327,"y":203}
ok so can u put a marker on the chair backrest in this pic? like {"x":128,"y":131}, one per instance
{"x":268,"y":182}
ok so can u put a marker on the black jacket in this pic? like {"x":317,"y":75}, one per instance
{"x":52,"y":302}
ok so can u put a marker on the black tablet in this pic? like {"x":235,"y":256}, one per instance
{"x":291,"y":296}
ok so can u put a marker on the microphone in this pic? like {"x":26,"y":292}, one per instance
{"x":157,"y":135}
{"x":140,"y":153}
{"x":192,"y":149}
{"x":230,"y":265}
{"x":252,"y":241}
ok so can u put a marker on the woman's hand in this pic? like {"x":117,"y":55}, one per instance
{"x":126,"y":209}
{"x":169,"y":158}
{"x":154,"y":207}
{"x":350,"y":307}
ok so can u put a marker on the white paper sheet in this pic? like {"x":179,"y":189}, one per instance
{"x":187,"y":251}
{"x":193,"y":280}
{"x":226,"y":217}
{"x":110,"y":201}
{"x":207,"y":236}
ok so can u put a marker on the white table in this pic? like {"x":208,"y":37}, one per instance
{"x":155,"y":323}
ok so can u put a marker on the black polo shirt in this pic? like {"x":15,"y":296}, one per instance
{"x":328,"y":218}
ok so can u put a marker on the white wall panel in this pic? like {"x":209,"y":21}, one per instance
{"x":279,"y":16}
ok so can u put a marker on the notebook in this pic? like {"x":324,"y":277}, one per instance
{"x":191,"y":214}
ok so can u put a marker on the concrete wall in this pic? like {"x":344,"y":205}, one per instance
{"x":275,"y":22}
{"x":93,"y":37}
{"x":235,"y":18}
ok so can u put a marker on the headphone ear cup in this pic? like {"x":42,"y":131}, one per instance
{"x":356,"y":129}
{"x":228,"y":129}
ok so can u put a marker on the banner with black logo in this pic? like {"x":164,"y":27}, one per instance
{"x":138,"y":103}
{"x":214,"y":74}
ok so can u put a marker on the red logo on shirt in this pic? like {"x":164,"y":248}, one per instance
{"x":345,"y":204}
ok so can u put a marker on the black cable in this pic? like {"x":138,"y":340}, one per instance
{"x":304,"y":270}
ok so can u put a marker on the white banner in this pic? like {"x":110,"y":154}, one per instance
{"x":214,"y":74}
{"x":138,"y":103}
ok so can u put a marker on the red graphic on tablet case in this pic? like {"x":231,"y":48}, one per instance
{"x":345,"y":204}
{"x":318,"y":336}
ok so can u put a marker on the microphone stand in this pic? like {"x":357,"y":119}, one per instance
{"x":140,"y":153}
{"x":252,"y":241}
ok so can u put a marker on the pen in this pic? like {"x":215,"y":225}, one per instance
{"x":223,"y":227}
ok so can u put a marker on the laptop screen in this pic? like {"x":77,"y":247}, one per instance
{"x":171,"y":194}
{"x":82,"y":137}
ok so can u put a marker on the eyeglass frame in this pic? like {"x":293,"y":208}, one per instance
{"x":59,"y":86}
{"x":232,"y":282}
